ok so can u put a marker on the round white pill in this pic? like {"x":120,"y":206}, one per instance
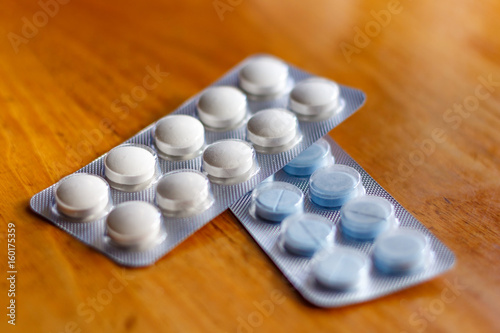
{"x":341,"y":269}
{"x":185,"y":192}
{"x":129,"y":165}
{"x":264,"y":76}
{"x":222,"y":107}
{"x":365,"y":217}
{"x":179,"y":135}
{"x":272,"y":128}
{"x":81,"y":195}
{"x":400,"y":251}
{"x":314,"y":96}
{"x":228,"y":158}
{"x":134,"y":223}
{"x":304,"y":234}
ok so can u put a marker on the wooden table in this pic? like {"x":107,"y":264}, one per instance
{"x":427,"y":68}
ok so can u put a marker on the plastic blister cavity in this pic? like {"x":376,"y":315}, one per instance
{"x":274,"y":201}
{"x":264,"y":76}
{"x":334,"y":185}
{"x":273,"y":130}
{"x":315,"y":98}
{"x":183,"y":193}
{"x":316,"y":156}
{"x":130,"y":167}
{"x":366,"y":217}
{"x":222,"y":107}
{"x":401,"y":251}
{"x":134,"y":225}
{"x":340,"y":268}
{"x":179,"y":137}
{"x":82,"y":197}
{"x":305,"y":234}
{"x":229,"y":161}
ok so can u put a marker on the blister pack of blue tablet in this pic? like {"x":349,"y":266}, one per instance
{"x":144,"y":197}
{"x":335,"y":233}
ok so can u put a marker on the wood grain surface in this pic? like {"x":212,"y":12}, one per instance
{"x":429,"y":134}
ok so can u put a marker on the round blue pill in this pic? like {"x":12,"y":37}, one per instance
{"x":333,"y":185}
{"x":311,"y":159}
{"x":401,"y":251}
{"x":304,"y":234}
{"x":365,"y":217}
{"x":276,"y":200}
{"x":340,"y":268}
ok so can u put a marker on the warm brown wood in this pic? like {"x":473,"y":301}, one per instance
{"x":56,"y":96}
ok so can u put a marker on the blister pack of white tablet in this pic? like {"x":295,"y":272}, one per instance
{"x":142,"y":198}
{"x":336,"y":234}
